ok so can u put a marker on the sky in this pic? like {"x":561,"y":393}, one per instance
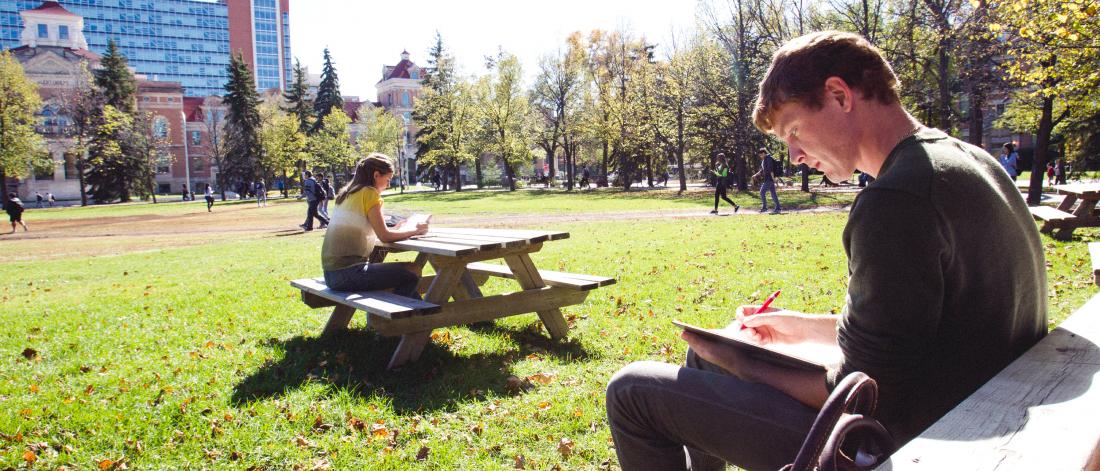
{"x":363,"y":35}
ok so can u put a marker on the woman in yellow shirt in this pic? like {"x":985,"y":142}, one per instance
{"x":356,"y":227}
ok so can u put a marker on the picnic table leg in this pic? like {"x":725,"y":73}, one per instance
{"x":1084,"y":210}
{"x":529,"y":278}
{"x":339,"y":320}
{"x":412,"y":344}
{"x":1067,"y":202}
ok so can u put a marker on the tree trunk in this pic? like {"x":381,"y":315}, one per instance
{"x":1042,"y":144}
{"x":477,"y":171}
{"x":977,"y":120}
{"x":511,"y":175}
{"x":603,"y":167}
{"x":80,"y":165}
{"x":568,"y":166}
{"x":805,"y":169}
{"x":742,"y":168}
{"x":286,"y":184}
{"x":680,"y":149}
{"x":458,"y":176}
{"x":4,"y":187}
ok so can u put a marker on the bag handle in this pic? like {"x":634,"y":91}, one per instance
{"x":848,"y":409}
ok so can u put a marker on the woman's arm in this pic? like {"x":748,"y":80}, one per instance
{"x":378,"y":223}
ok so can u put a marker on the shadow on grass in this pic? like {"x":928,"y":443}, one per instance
{"x":355,"y":362}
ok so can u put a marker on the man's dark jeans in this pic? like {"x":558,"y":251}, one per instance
{"x":312,"y":213}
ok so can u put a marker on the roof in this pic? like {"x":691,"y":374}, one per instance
{"x":351,"y":108}
{"x":192,"y":108}
{"x":84,"y":53}
{"x":53,"y":8}
{"x":401,"y":70}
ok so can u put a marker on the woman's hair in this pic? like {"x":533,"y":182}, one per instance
{"x":364,"y":174}
{"x":1010,"y":147}
{"x":800,"y":67}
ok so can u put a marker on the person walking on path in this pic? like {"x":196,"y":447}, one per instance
{"x":38,"y":199}
{"x":314,"y":195}
{"x":209,"y":194}
{"x":15,"y":209}
{"x":1009,"y":160}
{"x":330,"y":194}
{"x":769,"y":169}
{"x":261,"y":193}
{"x":357,"y":225}
{"x":721,"y":174}
{"x":922,"y":316}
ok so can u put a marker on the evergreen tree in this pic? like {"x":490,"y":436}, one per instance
{"x":328,"y":94}
{"x":116,"y":81}
{"x":20,"y":147}
{"x":297,"y":99}
{"x":242,"y":125}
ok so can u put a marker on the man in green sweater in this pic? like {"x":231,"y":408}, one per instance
{"x":947,"y":280}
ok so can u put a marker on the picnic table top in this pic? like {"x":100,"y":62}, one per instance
{"x":1091,"y":190}
{"x":457,"y":242}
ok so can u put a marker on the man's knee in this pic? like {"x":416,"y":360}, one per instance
{"x":624,"y":385}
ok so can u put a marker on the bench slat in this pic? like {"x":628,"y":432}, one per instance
{"x":379,"y":303}
{"x":1047,"y":213}
{"x":552,"y":278}
{"x":1040,"y":412}
{"x":508,"y":242}
{"x":436,"y":248}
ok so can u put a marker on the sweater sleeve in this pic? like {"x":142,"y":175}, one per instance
{"x":896,"y":259}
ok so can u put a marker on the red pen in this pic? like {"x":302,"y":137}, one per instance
{"x":763,"y":307}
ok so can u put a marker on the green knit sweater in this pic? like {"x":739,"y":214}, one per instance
{"x":947,"y":280}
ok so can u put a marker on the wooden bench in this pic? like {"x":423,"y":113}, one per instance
{"x":552,"y":278}
{"x":1041,"y":412}
{"x":384,"y":304}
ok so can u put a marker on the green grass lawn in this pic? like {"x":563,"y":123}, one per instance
{"x":204,"y":357}
{"x":484,"y":202}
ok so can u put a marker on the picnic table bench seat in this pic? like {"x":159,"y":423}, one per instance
{"x":1041,"y":412}
{"x":380,"y":303}
{"x":552,"y":278}
{"x":1049,"y":213}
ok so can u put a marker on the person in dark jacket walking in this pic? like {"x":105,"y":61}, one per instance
{"x":314,"y":196}
{"x":721,"y":174}
{"x":15,"y":208}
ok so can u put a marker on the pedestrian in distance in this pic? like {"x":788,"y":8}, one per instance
{"x":769,"y":170}
{"x":15,"y":209}
{"x":721,"y":176}
{"x":49,"y":199}
{"x":585,"y":176}
{"x":922,"y":315}
{"x":314,"y":196}
{"x":1010,"y":160}
{"x":357,"y":223}
{"x":261,"y":193}
{"x":38,"y":199}
{"x":330,"y":194}
{"x":184,"y":193}
{"x":209,"y":194}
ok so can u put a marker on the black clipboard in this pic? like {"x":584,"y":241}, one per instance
{"x":755,"y":350}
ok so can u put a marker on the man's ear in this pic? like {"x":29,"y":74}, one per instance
{"x":837,"y":89}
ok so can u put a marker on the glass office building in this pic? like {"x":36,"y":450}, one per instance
{"x":185,"y":41}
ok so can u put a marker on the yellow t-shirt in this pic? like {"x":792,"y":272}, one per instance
{"x":350,"y":238}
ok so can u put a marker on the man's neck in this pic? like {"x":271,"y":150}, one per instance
{"x":883,"y":128}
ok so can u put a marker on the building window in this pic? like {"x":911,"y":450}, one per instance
{"x":70,"y":166}
{"x":197,"y":164}
{"x":405,"y":99}
{"x":415,"y":75}
{"x":160,"y":127}
{"x":196,"y":138}
{"x":63,"y":32}
{"x":43,"y":32}
{"x":164,"y":163}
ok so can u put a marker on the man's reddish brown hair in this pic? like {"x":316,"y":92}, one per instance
{"x":799,"y":69}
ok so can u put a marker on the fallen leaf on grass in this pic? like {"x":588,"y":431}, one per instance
{"x":29,"y":456}
{"x":541,"y":378}
{"x":423,"y":453}
{"x":477,"y":428}
{"x":519,"y":462}
{"x":357,"y":424}
{"x":104,"y":465}
{"x":321,"y":465}
{"x":302,"y":442}
{"x":514,"y":384}
{"x":30,"y":353}
{"x":544,"y":405}
{"x":379,"y":430}
{"x":565,"y":447}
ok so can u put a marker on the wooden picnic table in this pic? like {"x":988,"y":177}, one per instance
{"x":1077,"y":209}
{"x":452,"y":296}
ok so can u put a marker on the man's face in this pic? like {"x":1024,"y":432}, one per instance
{"x":817,"y":138}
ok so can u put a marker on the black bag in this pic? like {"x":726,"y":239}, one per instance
{"x":844,"y":436}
